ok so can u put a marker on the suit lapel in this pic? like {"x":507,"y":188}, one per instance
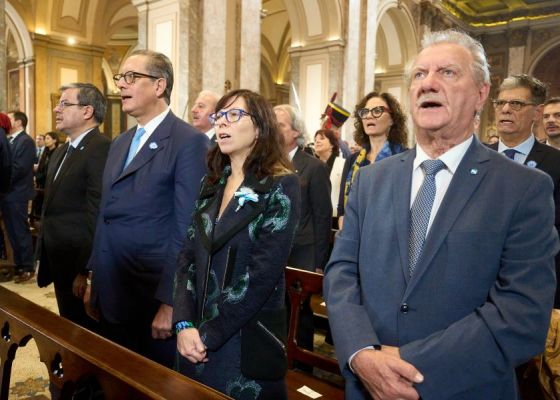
{"x":401,"y":201}
{"x":469,"y":174}
{"x":299,"y":162}
{"x":155,"y":143}
{"x":537,"y":154}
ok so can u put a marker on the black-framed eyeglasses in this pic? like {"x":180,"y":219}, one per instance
{"x":376,"y":112}
{"x":63,"y":104}
{"x":232,"y":115}
{"x":131,"y":76}
{"x":515,"y":105}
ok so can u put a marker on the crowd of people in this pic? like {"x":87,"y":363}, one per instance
{"x":172,"y":240}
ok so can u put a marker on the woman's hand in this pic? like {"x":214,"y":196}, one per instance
{"x":190,"y":345}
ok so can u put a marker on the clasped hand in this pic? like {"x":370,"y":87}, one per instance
{"x":385,"y":375}
{"x":190,"y":345}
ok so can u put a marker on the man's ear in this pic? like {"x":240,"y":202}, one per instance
{"x":537,"y":116}
{"x":161,"y":85}
{"x":88,"y":112}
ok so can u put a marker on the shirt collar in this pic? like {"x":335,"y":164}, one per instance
{"x":292,"y":153}
{"x":15,"y":134}
{"x":452,"y":157}
{"x":151,"y":126}
{"x":523,"y":147}
{"x":76,"y":142}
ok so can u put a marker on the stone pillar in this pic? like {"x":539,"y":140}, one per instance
{"x":517,"y":42}
{"x":214,"y":45}
{"x":351,"y":84}
{"x":3,"y":72}
{"x":250,"y":45}
{"x":371,"y":36}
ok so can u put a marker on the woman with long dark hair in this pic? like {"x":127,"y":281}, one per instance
{"x":327,"y":150}
{"x":229,"y":298}
{"x":381,"y":131}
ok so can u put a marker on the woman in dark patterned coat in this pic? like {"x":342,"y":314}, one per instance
{"x":229,"y":295}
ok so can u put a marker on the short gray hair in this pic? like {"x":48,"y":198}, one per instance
{"x":538,"y":89}
{"x":480,"y":68}
{"x":159,"y":65}
{"x":89,"y":95}
{"x":298,"y":124}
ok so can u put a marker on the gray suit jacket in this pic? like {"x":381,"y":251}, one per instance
{"x":479,"y":301}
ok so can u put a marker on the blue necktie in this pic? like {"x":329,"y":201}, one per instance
{"x":510,"y":153}
{"x":421,"y":210}
{"x":134,"y":145}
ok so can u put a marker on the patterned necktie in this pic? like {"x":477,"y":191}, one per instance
{"x":134,"y":145}
{"x":510,"y":153}
{"x":421,"y":210}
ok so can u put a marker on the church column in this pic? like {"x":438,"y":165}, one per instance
{"x":370,"y":42}
{"x":250,"y":45}
{"x":517,"y":41}
{"x":352,"y":65}
{"x":214,"y":45}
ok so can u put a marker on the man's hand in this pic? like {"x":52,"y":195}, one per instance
{"x":385,"y":375}
{"x":79,"y":286}
{"x":161,"y":325}
{"x":190,"y":345}
{"x":92,"y":312}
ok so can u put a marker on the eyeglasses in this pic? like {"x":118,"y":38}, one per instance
{"x":131,"y":76}
{"x":515,"y":105}
{"x":232,"y":115}
{"x":376,"y":112}
{"x":63,"y":104}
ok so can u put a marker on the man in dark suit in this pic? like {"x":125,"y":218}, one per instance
{"x":72,"y":195}
{"x":310,"y":250}
{"x":441,"y":281}
{"x":518,"y":107}
{"x":5,"y":163}
{"x":15,"y":202}
{"x":150,"y":183}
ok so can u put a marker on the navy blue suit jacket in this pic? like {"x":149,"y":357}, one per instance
{"x":23,"y":158}
{"x":479,"y":301}
{"x":143,"y":217}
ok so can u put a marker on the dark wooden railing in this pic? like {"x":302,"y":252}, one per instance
{"x":77,"y":358}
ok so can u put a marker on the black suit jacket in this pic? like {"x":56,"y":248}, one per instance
{"x":547,"y":159}
{"x":23,"y":158}
{"x":70,"y":209}
{"x":316,"y":209}
{"x":5,"y":163}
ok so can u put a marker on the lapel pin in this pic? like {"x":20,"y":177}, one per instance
{"x":474,"y":171}
{"x":81,"y":148}
{"x":153,"y":145}
{"x":532,"y":164}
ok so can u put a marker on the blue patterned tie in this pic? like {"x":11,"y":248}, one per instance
{"x":134,"y":145}
{"x":510,"y":153}
{"x":421,"y":210}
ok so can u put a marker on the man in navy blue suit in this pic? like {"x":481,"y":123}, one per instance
{"x":150,"y":183}
{"x":442,"y":280}
{"x":15,"y":202}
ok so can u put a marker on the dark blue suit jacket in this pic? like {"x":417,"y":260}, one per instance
{"x":23,"y":158}
{"x":143,"y":218}
{"x":479,"y":301}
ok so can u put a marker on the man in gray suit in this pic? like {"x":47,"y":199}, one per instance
{"x":442,"y":279}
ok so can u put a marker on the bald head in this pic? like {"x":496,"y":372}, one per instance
{"x":204,"y":105}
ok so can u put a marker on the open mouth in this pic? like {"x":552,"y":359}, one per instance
{"x":222,"y":136}
{"x":370,"y":125}
{"x":430,"y":104}
{"x":125,"y":97}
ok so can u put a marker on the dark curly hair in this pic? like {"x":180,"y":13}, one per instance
{"x":398,"y":132}
{"x":267,"y":158}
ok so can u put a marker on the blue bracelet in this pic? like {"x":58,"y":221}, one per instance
{"x":179,"y":326}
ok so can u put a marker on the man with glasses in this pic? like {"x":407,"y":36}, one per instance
{"x":441,"y":280}
{"x":151,"y":181}
{"x":518,"y":107}
{"x":72,"y":195}
{"x":14,"y":205}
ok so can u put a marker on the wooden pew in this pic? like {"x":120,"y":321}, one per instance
{"x":300,"y":285}
{"x":73,"y":355}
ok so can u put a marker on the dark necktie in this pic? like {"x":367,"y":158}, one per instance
{"x":421,"y":210}
{"x":12,"y":139}
{"x":69,"y":151}
{"x":510,"y":153}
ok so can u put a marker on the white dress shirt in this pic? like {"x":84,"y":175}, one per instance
{"x":150,"y":127}
{"x":522,"y":148}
